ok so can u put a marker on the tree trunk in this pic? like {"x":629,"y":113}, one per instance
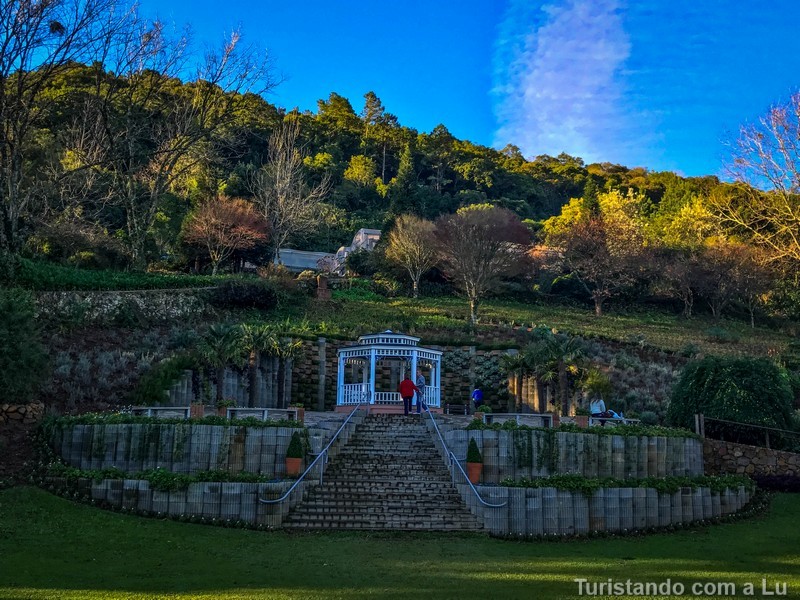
{"x":541,"y":396}
{"x":255,"y":362}
{"x":214,"y":267}
{"x":473,"y":311}
{"x":563,"y":388}
{"x":220,"y":384}
{"x":281,"y":382}
{"x":416,"y":287}
{"x":598,"y":306}
{"x":518,"y":391}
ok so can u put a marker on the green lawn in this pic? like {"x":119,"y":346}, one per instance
{"x":51,"y":548}
{"x":449,"y":316}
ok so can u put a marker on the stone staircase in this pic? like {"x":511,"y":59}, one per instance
{"x":389,"y":476}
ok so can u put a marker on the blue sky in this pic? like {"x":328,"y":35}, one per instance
{"x":660,"y":84}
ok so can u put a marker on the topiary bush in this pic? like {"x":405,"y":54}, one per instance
{"x":23,"y":359}
{"x":244,"y":294}
{"x":473,"y":454}
{"x":746,"y":390}
{"x":295,"y":449}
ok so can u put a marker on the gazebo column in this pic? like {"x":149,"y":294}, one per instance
{"x":438,"y":383}
{"x":372,"y":376}
{"x":414,"y":372}
{"x":340,"y":381}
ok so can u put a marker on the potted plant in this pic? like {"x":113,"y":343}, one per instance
{"x":474,"y":462}
{"x":197,"y":410}
{"x":301,"y":410}
{"x":294,"y":455}
{"x":224,"y":405}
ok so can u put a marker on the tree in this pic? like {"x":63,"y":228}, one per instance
{"x":766,"y":156}
{"x":283,"y":197}
{"x":145,"y":130}
{"x":753,"y":278}
{"x":220,"y":347}
{"x":259,"y":341}
{"x":412,"y":244}
{"x":224,"y":226}
{"x":478,"y":246}
{"x":40,"y":41}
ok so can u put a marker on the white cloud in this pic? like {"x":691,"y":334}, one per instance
{"x":559,"y":82}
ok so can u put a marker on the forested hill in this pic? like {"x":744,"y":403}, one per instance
{"x":98,"y":130}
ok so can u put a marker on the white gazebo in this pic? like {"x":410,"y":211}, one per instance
{"x":358,"y":372}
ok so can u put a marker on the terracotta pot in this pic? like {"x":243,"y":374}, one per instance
{"x":222,"y":411}
{"x":474,"y":471}
{"x":301,"y":413}
{"x":581,"y":421}
{"x":197,"y":411}
{"x":293,"y":466}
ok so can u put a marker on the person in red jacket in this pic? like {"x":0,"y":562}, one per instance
{"x":407,"y":389}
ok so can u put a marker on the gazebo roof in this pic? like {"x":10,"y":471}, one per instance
{"x":387,"y":340}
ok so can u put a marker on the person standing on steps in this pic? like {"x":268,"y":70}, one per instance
{"x":407,"y":389}
{"x":421,"y":393}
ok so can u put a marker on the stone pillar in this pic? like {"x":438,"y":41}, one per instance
{"x":322,"y":370}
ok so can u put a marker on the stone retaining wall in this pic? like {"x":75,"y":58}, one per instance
{"x":526,"y":453}
{"x":549,"y":511}
{"x":728,"y":457}
{"x":100,"y":307}
{"x":21,"y":413}
{"x":220,"y":501}
{"x":188,"y":448}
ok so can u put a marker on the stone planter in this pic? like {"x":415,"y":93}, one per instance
{"x":474,"y":471}
{"x":293,"y":466}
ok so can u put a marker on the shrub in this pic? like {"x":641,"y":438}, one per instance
{"x":244,"y":294}
{"x":778,"y":483}
{"x":154,"y":385}
{"x":295,"y":449}
{"x":22,"y":356}
{"x":648,"y":417}
{"x":473,"y":454}
{"x":745,"y":390}
{"x":484,"y":408}
{"x":722,"y":335}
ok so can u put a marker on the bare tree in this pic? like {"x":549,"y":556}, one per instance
{"x":601,"y":258}
{"x":281,"y":192}
{"x":38,"y":42}
{"x":478,"y":246}
{"x":145,"y":132}
{"x":223,"y":226}
{"x":767,"y":157}
{"x":412,"y":244}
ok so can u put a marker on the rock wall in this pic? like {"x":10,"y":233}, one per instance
{"x":728,"y":457}
{"x":187,"y":448}
{"x":123,"y":306}
{"x":21,"y":413}
{"x":212,"y":501}
{"x":518,"y":454}
{"x":549,"y":511}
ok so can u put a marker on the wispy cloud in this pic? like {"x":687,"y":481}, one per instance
{"x":559,"y":82}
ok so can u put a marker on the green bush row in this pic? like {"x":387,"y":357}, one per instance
{"x":159,"y":479}
{"x":664,"y":485}
{"x":633,"y":430}
{"x":53,"y":422}
{"x":42,"y":276}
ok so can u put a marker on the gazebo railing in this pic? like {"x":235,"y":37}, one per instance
{"x":355,"y":393}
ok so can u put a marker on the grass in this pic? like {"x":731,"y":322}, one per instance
{"x":661,"y":330}
{"x":51,"y":548}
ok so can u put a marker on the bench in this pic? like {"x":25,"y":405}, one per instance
{"x":599,"y":421}
{"x":163,"y":412}
{"x":455,"y":409}
{"x":262,"y":414}
{"x":531,"y":419}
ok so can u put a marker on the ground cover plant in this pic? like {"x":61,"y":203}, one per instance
{"x":51,"y":548}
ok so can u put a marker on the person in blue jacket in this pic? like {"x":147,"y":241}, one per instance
{"x":477,"y":398}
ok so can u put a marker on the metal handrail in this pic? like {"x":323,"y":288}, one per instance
{"x":452,"y":459}
{"x":324,"y":453}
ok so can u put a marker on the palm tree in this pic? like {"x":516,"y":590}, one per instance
{"x":567,"y":353}
{"x":220,"y":347}
{"x":286,"y":349}
{"x":259,"y":341}
{"x":516,"y":366}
